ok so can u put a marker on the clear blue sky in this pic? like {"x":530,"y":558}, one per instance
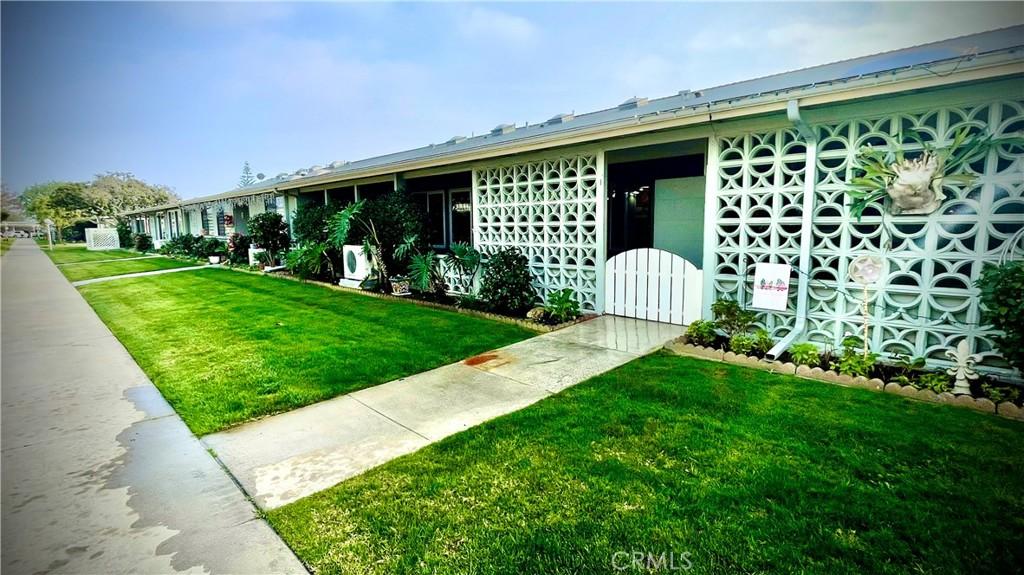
{"x":182,"y":93}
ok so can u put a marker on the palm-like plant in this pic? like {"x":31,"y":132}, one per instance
{"x":464,"y":260}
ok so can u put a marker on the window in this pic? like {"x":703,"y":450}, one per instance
{"x":270,"y":203}
{"x":461,"y":209}
{"x":221,"y":225}
{"x":448,"y":215}
{"x":204,"y":219}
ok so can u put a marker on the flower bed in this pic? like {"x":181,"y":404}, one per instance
{"x":1006,"y":409}
{"x":526,"y":323}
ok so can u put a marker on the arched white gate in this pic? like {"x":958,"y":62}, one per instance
{"x":653,"y":284}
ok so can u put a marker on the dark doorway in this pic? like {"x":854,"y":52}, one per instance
{"x":631,"y":197}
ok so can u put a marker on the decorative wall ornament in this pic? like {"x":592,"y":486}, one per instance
{"x":548,"y":209}
{"x":915,"y":184}
{"x":963,"y":367}
{"x":931,"y":261}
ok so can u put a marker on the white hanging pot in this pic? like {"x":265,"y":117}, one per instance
{"x":214,"y":259}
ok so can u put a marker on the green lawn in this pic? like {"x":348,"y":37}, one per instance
{"x":5,"y":244}
{"x":73,"y":253}
{"x":84,"y":271}
{"x":225,"y":347}
{"x":746,"y":471}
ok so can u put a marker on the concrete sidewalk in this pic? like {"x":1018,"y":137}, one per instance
{"x":99,"y":474}
{"x":285,"y":457}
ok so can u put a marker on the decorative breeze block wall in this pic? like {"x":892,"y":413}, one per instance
{"x":549,"y":210}
{"x":929,"y":301}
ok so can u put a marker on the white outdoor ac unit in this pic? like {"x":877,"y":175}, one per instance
{"x":356,"y":265}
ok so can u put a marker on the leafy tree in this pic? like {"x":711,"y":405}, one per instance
{"x":114,"y":193}
{"x":63,"y":203}
{"x":10,"y":205}
{"x":247,"y":178}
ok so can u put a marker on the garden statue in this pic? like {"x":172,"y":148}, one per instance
{"x":916,"y":187}
{"x":865,"y":270}
{"x":963,"y":370}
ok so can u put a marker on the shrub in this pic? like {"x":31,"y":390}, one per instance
{"x":269,"y":231}
{"x":306,"y":261}
{"x":562,"y":306}
{"x":425,"y":273}
{"x":506,"y":285}
{"x":805,"y":353}
{"x":388,"y":221}
{"x":937,"y":382}
{"x":208,"y":247}
{"x":238,"y":249}
{"x":853,"y":361}
{"x":741,"y":343}
{"x":701,"y":332}
{"x":763,"y":341}
{"x":143,"y":243}
{"x":310,"y":222}
{"x":124,"y":233}
{"x":470,"y":301}
{"x":731,"y":318}
{"x":1001,"y":288}
{"x":999,"y":394}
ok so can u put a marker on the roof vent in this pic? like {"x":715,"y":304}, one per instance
{"x":633,"y":103}
{"x":503,"y":129}
{"x":559,"y":119}
{"x":338,"y":164}
{"x":282,"y":175}
{"x":455,"y":140}
{"x":688,"y":94}
{"x":316,"y":169}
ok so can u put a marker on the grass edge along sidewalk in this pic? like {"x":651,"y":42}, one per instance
{"x":746,"y":471}
{"x":226,"y":347}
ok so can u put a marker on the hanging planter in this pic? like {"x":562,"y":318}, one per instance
{"x":914,"y":185}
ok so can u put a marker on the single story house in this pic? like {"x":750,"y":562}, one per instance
{"x":724,"y":178}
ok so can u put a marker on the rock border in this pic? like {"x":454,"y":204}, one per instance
{"x":1005,"y":409}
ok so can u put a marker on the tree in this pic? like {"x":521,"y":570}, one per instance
{"x":247,"y":178}
{"x":63,"y":203}
{"x":10,"y":205}
{"x":113,"y":193}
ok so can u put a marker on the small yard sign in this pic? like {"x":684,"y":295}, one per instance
{"x":771,"y":286}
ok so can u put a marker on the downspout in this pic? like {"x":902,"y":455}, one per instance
{"x":806,"y":231}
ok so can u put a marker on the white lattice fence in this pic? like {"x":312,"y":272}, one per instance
{"x":97,"y":239}
{"x":929,"y":301}
{"x":548,"y":209}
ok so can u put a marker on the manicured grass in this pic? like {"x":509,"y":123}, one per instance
{"x":225,"y":347}
{"x":84,"y":271}
{"x":5,"y":244}
{"x":749,"y":472}
{"x":72,"y":253}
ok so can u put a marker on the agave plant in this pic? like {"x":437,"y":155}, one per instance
{"x":915,"y":184}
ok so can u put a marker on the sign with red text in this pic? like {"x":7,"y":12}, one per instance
{"x":771,"y":286}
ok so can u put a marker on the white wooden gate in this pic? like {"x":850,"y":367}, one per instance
{"x":653,"y":284}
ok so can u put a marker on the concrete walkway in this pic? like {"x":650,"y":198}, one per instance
{"x":136,"y":275}
{"x":285,"y":457}
{"x":99,"y":474}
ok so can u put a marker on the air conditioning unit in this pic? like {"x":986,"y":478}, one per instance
{"x":357,"y":267}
